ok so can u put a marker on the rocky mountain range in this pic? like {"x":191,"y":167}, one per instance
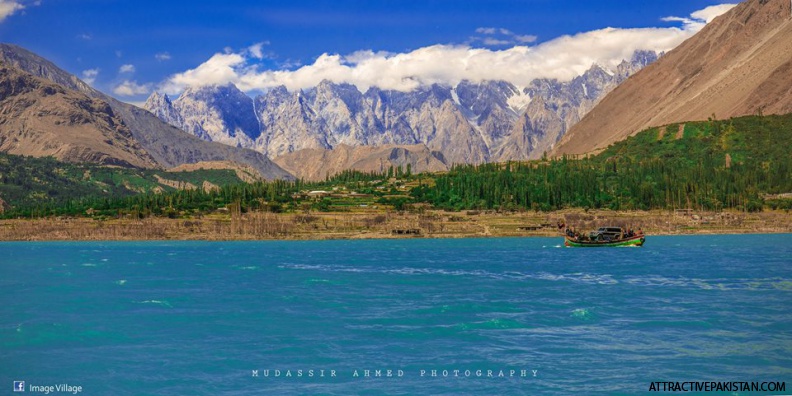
{"x":45,"y":107}
{"x":470,"y":123}
{"x":739,"y":64}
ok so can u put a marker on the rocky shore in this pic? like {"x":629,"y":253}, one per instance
{"x":373,"y":224}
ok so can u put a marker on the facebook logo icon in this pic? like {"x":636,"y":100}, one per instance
{"x":19,"y":386}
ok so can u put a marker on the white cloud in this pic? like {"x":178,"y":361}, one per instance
{"x":525,"y":38}
{"x":255,"y":50}
{"x":219,"y":69}
{"x":709,"y":13}
{"x":89,"y":76}
{"x":702,"y":17}
{"x":494,"y":41}
{"x":126,"y":69}
{"x":84,"y":36}
{"x":290,"y":64}
{"x":562,"y":58}
{"x":500,"y":37}
{"x":162,"y":56}
{"x":8,"y":8}
{"x":360,"y":56}
{"x":132,"y":88}
{"x":676,"y":19}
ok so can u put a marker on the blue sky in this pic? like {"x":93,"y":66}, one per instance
{"x":129,"y":48}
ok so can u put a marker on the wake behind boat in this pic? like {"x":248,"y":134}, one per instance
{"x":605,"y":237}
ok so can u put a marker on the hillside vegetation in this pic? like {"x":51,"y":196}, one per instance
{"x":708,"y":165}
{"x":734,"y":164}
{"x":33,"y":186}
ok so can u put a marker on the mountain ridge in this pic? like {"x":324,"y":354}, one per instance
{"x":739,"y":64}
{"x":168,"y":145}
{"x":468,"y":123}
{"x":41,"y":118}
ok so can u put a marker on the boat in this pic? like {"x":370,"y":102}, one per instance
{"x":605,"y":237}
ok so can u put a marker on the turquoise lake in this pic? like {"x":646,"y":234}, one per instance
{"x":203,"y":318}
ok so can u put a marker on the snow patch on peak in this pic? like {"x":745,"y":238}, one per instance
{"x":518,"y":101}
{"x":605,"y":69}
{"x":455,"y":97}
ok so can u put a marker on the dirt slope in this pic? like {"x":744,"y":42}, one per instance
{"x":739,"y":64}
{"x":39,"y":118}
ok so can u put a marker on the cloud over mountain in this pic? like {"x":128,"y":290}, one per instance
{"x":131,"y":88}
{"x":89,"y":76}
{"x":701,"y":17}
{"x":562,"y":58}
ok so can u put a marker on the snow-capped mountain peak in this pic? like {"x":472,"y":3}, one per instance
{"x":469,"y":123}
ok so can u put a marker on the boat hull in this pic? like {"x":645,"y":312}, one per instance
{"x":634,"y":241}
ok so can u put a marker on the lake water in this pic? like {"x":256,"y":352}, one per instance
{"x":193,"y":318}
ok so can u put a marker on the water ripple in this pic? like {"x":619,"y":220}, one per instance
{"x":577,"y":277}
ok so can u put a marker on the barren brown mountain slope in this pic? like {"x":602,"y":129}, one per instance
{"x":316,"y":164}
{"x":39,"y":118}
{"x":168,"y":145}
{"x":739,"y":64}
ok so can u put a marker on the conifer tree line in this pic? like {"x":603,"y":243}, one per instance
{"x":711,"y":165}
{"x":714,"y":165}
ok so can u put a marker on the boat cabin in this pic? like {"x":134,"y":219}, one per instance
{"x":607,"y":233}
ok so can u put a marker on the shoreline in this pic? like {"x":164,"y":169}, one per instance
{"x":427,"y":224}
{"x":374,"y":238}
